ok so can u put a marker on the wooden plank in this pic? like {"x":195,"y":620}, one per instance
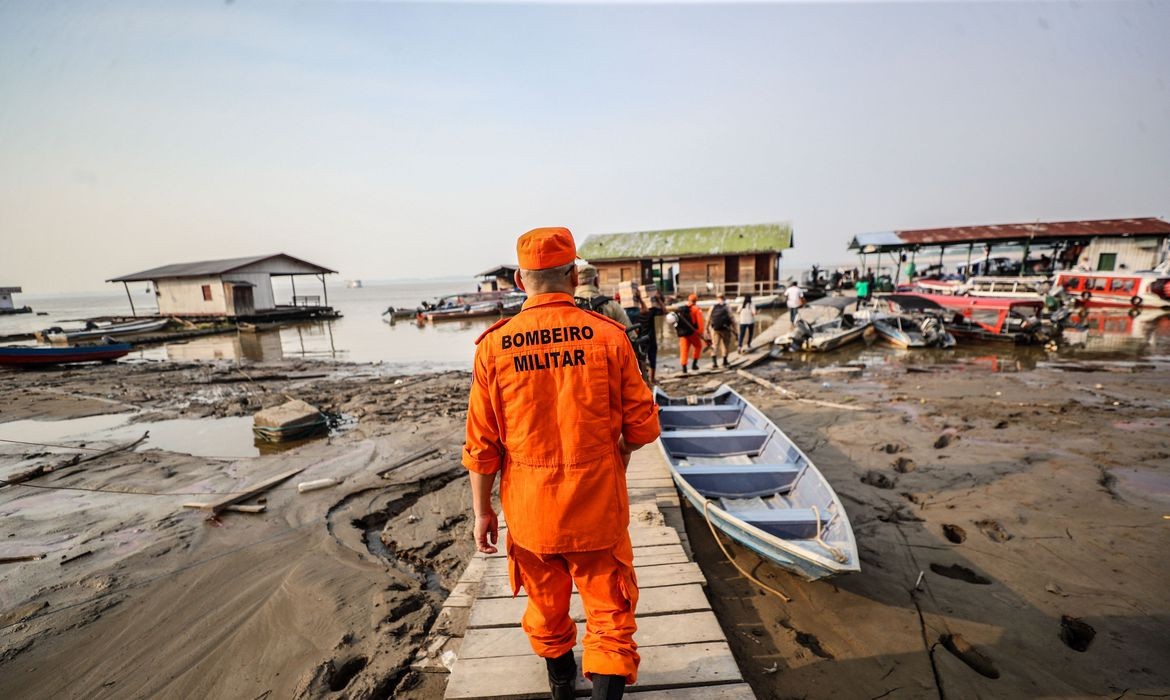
{"x":678,"y":666}
{"x":639,"y":537}
{"x":685,"y":628}
{"x":73,"y":461}
{"x":735,"y":691}
{"x":504,"y":612}
{"x":643,"y":556}
{"x":245,"y":494}
{"x":654,"y":576}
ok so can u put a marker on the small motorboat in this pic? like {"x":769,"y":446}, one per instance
{"x":754,"y":484}
{"x":37,"y":356}
{"x":824,"y":325}
{"x":988,"y":318}
{"x":95,"y":331}
{"x":920,"y":324}
{"x":462,"y":311}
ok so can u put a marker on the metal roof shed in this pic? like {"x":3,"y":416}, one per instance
{"x":688,"y":242}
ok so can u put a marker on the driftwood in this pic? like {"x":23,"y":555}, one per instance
{"x":245,"y":494}
{"x":21,"y":557}
{"x":246,"y":509}
{"x":794,"y":396}
{"x":73,"y":461}
{"x":413,"y":457}
{"x":75,"y":557}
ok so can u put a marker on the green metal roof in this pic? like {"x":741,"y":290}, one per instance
{"x":688,"y":242}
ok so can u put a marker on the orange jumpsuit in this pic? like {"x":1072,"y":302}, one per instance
{"x":694,"y":341}
{"x":554,"y":388}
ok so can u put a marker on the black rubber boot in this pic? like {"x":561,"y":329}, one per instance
{"x":694,"y":364}
{"x":562,"y":671}
{"x":684,"y":367}
{"x":608,"y":687}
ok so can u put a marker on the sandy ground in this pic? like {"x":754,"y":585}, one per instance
{"x":1020,"y":499}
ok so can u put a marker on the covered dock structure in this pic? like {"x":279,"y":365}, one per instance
{"x":1042,"y":247}
{"x":239,"y":288}
{"x":707,"y":260}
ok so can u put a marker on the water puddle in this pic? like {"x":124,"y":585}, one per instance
{"x":1142,"y":482}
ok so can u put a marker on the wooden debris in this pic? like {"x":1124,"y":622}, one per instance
{"x":237,"y":508}
{"x":794,"y":396}
{"x":43,"y":469}
{"x":413,"y":457}
{"x":75,"y":557}
{"x":20,"y":557}
{"x":245,"y":494}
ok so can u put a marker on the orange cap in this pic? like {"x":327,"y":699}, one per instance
{"x":542,"y":248}
{"x":693,"y":297}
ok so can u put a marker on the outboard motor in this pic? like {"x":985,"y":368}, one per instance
{"x":931,"y":330}
{"x":801,"y":332}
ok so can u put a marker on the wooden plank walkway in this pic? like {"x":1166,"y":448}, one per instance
{"x":478,"y":640}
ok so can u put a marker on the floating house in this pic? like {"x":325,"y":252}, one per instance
{"x":729,"y":259}
{"x":1105,"y":245}
{"x":498,"y":279}
{"x":7,"y":305}
{"x":236,"y":287}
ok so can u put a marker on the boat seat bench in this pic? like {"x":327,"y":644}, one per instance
{"x":714,"y":443}
{"x":787,"y":523}
{"x":709,"y":416}
{"x":740,"y":480}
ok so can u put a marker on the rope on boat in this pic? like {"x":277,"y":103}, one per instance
{"x":837,"y":553}
{"x":775,"y":591}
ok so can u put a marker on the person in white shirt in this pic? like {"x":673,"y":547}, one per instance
{"x":794,"y":299}
{"x":747,"y":323}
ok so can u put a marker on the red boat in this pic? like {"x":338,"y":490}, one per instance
{"x":32,"y":356}
{"x":1150,"y":289}
{"x":989,"y":318}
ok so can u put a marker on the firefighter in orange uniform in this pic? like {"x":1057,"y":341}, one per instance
{"x":557,"y":406}
{"x":693,"y":342}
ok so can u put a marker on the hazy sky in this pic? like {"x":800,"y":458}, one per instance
{"x":419,"y":139}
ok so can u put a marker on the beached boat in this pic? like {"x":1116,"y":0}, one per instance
{"x":917,"y":324}
{"x":824,"y":325}
{"x":462,"y":311}
{"x":988,"y":318}
{"x":35,"y":356}
{"x":754,"y":484}
{"x":1030,"y":287}
{"x":113,"y":330}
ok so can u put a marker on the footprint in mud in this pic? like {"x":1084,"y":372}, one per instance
{"x":960,"y":573}
{"x":1075,"y":633}
{"x":1001,"y":425}
{"x":993,"y":530}
{"x":968,"y":654}
{"x":877,"y":479}
{"x":903,"y":465}
{"x":943,"y":440}
{"x":954,"y":533}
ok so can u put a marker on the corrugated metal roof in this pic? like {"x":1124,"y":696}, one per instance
{"x":499,"y":271}
{"x":1018,"y":232}
{"x":205,"y":268}
{"x":879,"y":241}
{"x":688,"y":242}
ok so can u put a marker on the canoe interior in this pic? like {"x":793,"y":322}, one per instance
{"x":760,"y":488}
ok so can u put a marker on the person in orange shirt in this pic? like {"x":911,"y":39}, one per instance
{"x":691,"y":344}
{"x":557,"y":405}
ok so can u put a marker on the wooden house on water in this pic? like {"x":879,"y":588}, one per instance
{"x":498,"y":279}
{"x":733,"y":260}
{"x":7,"y":305}
{"x":239,"y":288}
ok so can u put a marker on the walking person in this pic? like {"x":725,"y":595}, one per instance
{"x":793,"y":299}
{"x":747,"y":323}
{"x":557,"y":405}
{"x":719,"y":323}
{"x":648,"y":327}
{"x":862,"y":289}
{"x":688,"y":323}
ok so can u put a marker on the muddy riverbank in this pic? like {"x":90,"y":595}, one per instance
{"x":1010,"y":519}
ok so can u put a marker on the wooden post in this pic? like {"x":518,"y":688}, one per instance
{"x":967,"y":272}
{"x":133,"y":311}
{"x":324,"y":291}
{"x":293,"y":279}
{"x":1024,"y":260}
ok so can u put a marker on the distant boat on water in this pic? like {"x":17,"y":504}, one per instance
{"x":354,"y":284}
{"x":42,"y":356}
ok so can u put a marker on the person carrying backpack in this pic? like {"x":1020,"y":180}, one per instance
{"x":719,"y":323}
{"x":688,"y":323}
